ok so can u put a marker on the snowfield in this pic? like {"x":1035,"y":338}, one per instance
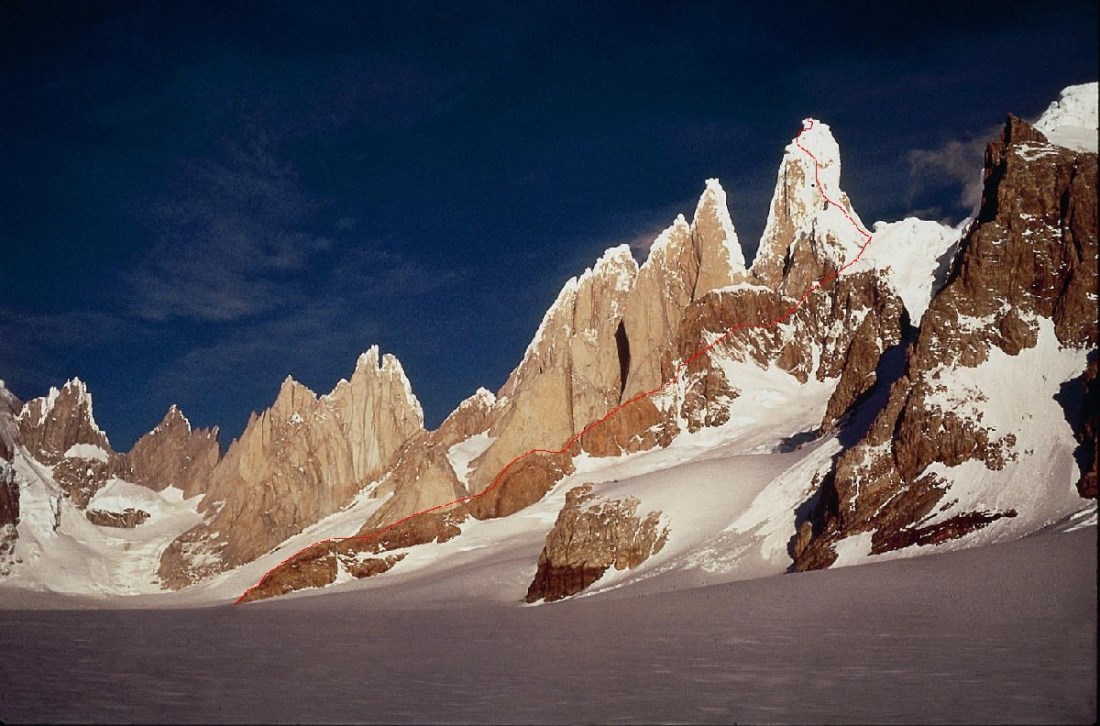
{"x":998,"y":634}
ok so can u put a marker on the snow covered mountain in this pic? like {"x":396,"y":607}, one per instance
{"x":851,"y":395}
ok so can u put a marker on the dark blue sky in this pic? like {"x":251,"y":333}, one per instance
{"x":198,"y":198}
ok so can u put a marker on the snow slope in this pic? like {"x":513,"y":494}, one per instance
{"x":59,"y":550}
{"x":911,"y":252}
{"x":1071,"y":121}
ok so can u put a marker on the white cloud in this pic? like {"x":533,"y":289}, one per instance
{"x":228,"y":246}
{"x":953,"y":165}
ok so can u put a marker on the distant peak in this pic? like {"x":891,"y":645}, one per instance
{"x":678,"y":229}
{"x":482,"y":397}
{"x":616,"y":264}
{"x":292,"y":386}
{"x":808,"y":205}
{"x":76,"y":385}
{"x":391,"y":365}
{"x":619,"y":254}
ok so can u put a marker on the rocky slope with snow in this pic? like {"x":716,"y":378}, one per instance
{"x":960,"y":445}
{"x":690,"y":419}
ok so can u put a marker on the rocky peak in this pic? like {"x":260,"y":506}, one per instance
{"x":299,"y":461}
{"x":49,"y":426}
{"x":812,"y":229}
{"x":721,"y":260}
{"x":175,"y":455}
{"x":292,"y":401}
{"x":473,"y":416}
{"x":602,"y":286}
{"x":685,"y":263}
{"x":173,"y":420}
{"x":1025,"y":278}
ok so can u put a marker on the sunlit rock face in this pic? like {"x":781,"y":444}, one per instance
{"x":591,"y":536}
{"x":174,"y":455}
{"x":295,"y":463}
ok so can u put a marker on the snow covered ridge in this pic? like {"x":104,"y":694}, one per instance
{"x":915,"y":253}
{"x":1072,"y":120}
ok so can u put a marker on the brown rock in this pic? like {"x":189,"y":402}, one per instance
{"x":51,"y":425}
{"x":173,"y":455}
{"x":80,"y":478}
{"x":589,"y":537}
{"x":317,"y":565}
{"x":126,"y":519}
{"x":522,"y":484}
{"x":9,"y":517}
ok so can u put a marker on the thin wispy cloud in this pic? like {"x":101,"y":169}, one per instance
{"x":228,"y":246}
{"x":40,"y":349}
{"x":954,"y":165}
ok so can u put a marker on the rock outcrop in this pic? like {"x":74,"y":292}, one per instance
{"x":1027,"y":265}
{"x":128,"y":518}
{"x":9,"y":517}
{"x":356,"y":557}
{"x":300,"y":460}
{"x":592,"y":535}
{"x":1087,"y":430}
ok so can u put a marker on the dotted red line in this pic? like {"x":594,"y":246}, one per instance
{"x":645,"y":394}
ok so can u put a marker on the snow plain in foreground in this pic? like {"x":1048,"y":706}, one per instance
{"x":997,"y":634}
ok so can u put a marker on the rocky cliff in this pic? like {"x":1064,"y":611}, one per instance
{"x":60,"y":431}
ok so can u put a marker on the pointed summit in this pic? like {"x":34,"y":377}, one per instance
{"x":686,"y":262}
{"x":721,"y":259}
{"x":812,"y":229}
{"x":174,"y":455}
{"x":368,"y":358}
{"x":293,"y":398}
{"x":52,"y":424}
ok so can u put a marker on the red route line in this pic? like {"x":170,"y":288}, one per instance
{"x":828,"y":279}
